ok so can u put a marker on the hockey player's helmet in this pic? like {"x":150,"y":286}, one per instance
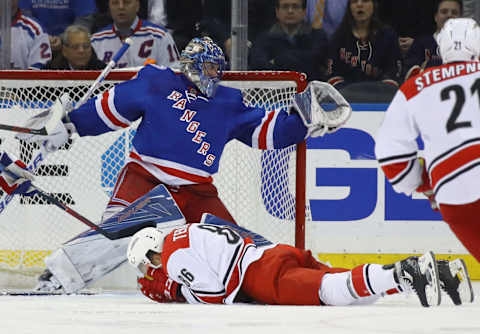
{"x":199,"y":57}
{"x":145,"y":240}
{"x":459,"y":40}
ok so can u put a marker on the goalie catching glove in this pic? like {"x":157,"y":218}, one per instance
{"x":51,"y":118}
{"x":318,"y":120}
{"x":22,"y":183}
{"x":157,"y":286}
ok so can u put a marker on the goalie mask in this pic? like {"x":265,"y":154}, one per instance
{"x":203,"y":62}
{"x":142,"y":242}
{"x":459,"y":40}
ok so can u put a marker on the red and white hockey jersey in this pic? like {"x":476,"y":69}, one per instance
{"x":442,"y":105}
{"x":209,"y":261}
{"x":149,"y":41}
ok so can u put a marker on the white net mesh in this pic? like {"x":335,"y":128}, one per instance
{"x":258,"y":187}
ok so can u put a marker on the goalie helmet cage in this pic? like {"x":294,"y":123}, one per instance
{"x":264,"y":190}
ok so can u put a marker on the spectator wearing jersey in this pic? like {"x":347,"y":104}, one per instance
{"x":423,"y":53}
{"x":57,"y":15}
{"x":30,"y":48}
{"x":291,"y":43}
{"x":77,"y":52}
{"x":364,"y":50}
{"x":149,"y":40}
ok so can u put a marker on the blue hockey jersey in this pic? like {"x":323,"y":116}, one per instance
{"x":182,"y":133}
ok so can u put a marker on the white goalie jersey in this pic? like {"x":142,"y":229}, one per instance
{"x":209,"y":261}
{"x":442,"y":105}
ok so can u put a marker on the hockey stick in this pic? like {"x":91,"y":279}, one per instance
{"x":105,"y":71}
{"x":58,"y":113}
{"x":155,"y":207}
{"x":51,"y":199}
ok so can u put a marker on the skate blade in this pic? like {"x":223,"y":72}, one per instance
{"x":428,"y":267}
{"x":465,"y":290}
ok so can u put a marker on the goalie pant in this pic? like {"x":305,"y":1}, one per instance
{"x":452,"y":143}
{"x":85,"y":259}
{"x":215,"y":265}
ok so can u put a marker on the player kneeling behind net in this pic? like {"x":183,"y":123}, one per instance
{"x":216,"y":262}
{"x":165,"y":149}
{"x":442,"y":106}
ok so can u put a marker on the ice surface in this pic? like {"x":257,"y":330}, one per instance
{"x":129,"y":312}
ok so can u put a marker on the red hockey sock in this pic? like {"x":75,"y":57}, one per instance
{"x":463,"y":220}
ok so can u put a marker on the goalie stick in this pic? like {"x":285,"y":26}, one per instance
{"x":155,"y":207}
{"x":58,"y":114}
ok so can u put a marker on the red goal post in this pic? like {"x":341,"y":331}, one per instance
{"x":264,"y":190}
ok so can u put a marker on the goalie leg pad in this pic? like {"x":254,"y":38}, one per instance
{"x":86,"y":260}
{"x":90,"y":256}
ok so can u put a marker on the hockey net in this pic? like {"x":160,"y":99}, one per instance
{"x":264,"y":190}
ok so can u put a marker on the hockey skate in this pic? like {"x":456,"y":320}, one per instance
{"x":420,"y":275}
{"x":455,"y":281}
{"x":47,"y":283}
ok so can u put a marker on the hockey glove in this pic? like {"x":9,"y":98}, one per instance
{"x":310,"y":107}
{"x":59,"y":135}
{"x":157,"y":286}
{"x":22,"y":184}
{"x":426,"y":188}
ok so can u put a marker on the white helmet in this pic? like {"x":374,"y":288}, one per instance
{"x":147,"y":239}
{"x":459,"y":40}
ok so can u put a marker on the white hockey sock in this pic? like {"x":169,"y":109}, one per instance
{"x":362,"y":285}
{"x":373,"y":279}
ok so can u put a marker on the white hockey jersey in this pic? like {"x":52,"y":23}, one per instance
{"x":149,"y":41}
{"x":209,"y":261}
{"x":30,"y":44}
{"x":442,"y":105}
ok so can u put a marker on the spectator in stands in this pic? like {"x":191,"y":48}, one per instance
{"x":291,"y":43}
{"x":77,"y":53}
{"x":423,"y":53}
{"x":56,"y":15}
{"x":326,"y":14}
{"x":409,"y":18}
{"x":30,"y":48}
{"x":149,"y":40}
{"x":184,"y":19}
{"x":364,"y":50}
{"x":103,"y":17}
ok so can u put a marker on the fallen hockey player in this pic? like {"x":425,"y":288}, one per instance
{"x":216,"y":262}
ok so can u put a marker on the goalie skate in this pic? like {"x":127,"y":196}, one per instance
{"x":420,"y":275}
{"x":455,"y":281}
{"x":47,"y":283}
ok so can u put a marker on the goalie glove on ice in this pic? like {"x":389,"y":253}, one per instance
{"x":60,"y":134}
{"x":21,"y":185}
{"x":157,"y":286}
